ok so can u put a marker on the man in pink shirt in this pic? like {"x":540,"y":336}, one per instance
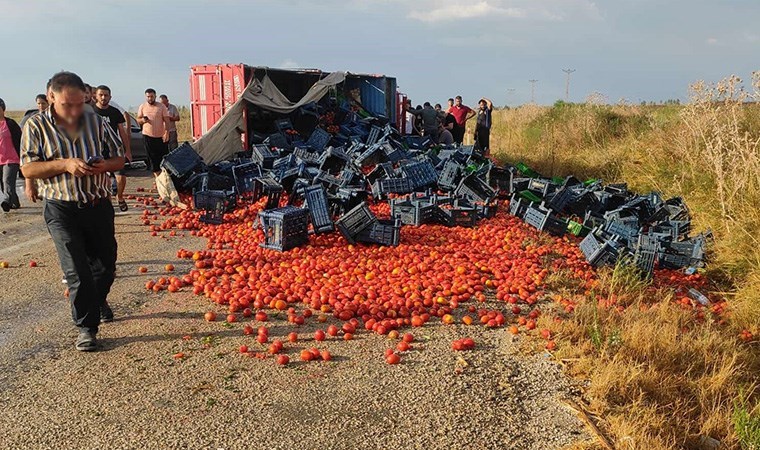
{"x":154,"y":118}
{"x":10,"y":139}
{"x":462,"y":114}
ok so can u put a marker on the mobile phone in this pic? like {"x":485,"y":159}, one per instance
{"x":94,"y":159}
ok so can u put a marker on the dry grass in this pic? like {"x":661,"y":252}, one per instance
{"x":659,"y":376}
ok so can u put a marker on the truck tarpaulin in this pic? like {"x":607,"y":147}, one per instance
{"x":222,"y":141}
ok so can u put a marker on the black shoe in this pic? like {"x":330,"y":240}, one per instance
{"x":106,"y":313}
{"x":86,"y":341}
{"x":6,"y":206}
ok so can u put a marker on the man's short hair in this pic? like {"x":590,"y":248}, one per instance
{"x":42,"y":97}
{"x":150,"y":91}
{"x":482,"y":100}
{"x":163,"y":96}
{"x":458,"y":97}
{"x":426,"y":104}
{"x":63,"y":80}
{"x":437,"y":105}
{"x":451,"y":100}
{"x":103,"y":87}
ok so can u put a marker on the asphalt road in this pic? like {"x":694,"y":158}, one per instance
{"x":132,"y":394}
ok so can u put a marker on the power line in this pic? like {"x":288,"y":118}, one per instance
{"x":567,"y":83}
{"x":533,"y":90}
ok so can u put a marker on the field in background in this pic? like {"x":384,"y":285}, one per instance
{"x":661,"y":376}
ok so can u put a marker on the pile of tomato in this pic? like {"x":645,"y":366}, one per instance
{"x":494,"y":274}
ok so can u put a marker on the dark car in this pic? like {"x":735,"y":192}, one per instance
{"x":135,"y":137}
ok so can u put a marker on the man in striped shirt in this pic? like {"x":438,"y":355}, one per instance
{"x":71,"y":152}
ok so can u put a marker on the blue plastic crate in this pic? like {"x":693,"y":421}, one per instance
{"x":284,"y":228}
{"x":315,"y":199}
{"x":318,"y":140}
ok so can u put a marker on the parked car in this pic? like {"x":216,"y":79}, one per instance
{"x":136,"y":138}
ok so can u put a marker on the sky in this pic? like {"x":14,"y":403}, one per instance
{"x":634,"y":50}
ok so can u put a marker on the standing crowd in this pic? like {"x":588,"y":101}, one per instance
{"x":447,"y":127}
{"x":68,"y":150}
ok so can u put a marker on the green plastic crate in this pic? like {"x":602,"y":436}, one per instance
{"x":577,"y":229}
{"x":527,"y":171}
{"x":558,"y":180}
{"x":590,"y":181}
{"x":528,"y":195}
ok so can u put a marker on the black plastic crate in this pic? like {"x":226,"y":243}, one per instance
{"x":213,"y":204}
{"x":267,"y":187}
{"x":307,"y":156}
{"x":382,"y":232}
{"x":410,"y":213}
{"x":676,"y":261}
{"x":520,"y":184}
{"x":501,"y":180}
{"x":645,"y":261}
{"x":244,"y":175}
{"x":318,"y":140}
{"x":382,"y":187}
{"x":182,"y":161}
{"x":371,"y":155}
{"x":450,"y":175}
{"x":418,"y":142}
{"x":278,"y":140}
{"x":345,"y":199}
{"x":457,"y":215}
{"x":627,"y":229}
{"x":285,"y":228}
{"x":599,"y":252}
{"x":261,"y":154}
{"x":648,"y":242}
{"x":544,"y":220}
{"x":420,"y":174}
{"x":394,"y":153}
{"x":374,"y":135}
{"x":283,"y":125}
{"x":354,"y":221}
{"x":541,"y":187}
{"x":315,"y":199}
{"x":518,"y":205}
{"x":208,"y":181}
{"x":330,"y":182}
{"x":562,"y":199}
{"x":333,"y":160}
{"x":487,"y":211}
{"x":475,"y":189}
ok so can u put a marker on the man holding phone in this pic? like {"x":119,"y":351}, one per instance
{"x":70,"y":153}
{"x":153,"y":117}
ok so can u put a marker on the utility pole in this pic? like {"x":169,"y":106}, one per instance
{"x":567,"y":83}
{"x":533,"y":90}
{"x":510,"y":93}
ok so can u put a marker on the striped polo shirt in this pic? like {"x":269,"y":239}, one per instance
{"x":43,"y":140}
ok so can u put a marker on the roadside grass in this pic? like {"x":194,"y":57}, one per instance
{"x":660,"y":375}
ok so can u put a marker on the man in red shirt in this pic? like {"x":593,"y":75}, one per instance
{"x":462,"y":114}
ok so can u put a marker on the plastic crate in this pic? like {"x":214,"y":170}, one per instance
{"x":530,"y":196}
{"x":213,"y":204}
{"x":267,"y":187}
{"x":278,"y":140}
{"x":284,"y":228}
{"x":501,"y":180}
{"x":562,"y":198}
{"x":577,"y":229}
{"x":475,"y":189}
{"x":599,"y":253}
{"x":626,"y":229}
{"x":457,"y":215}
{"x":676,"y":261}
{"x":645,"y":261}
{"x":420,"y":174}
{"x":244,"y":175}
{"x":527,"y":171}
{"x":333,"y":160}
{"x":283,"y":125}
{"x":181,"y":161}
{"x":208,"y":181}
{"x":518,"y":206}
{"x":354,"y":221}
{"x":418,"y":142}
{"x":450,"y":175}
{"x":409,"y":213}
{"x":318,"y":140}
{"x":330,"y":182}
{"x":315,"y":199}
{"x":307,"y":156}
{"x":486,"y":210}
{"x":541,"y":187}
{"x":345,"y":199}
{"x":262,"y":155}
{"x":382,"y":187}
{"x":382,"y":232}
{"x":374,"y":135}
{"x":543,"y":220}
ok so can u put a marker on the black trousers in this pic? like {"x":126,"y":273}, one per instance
{"x":86,"y":244}
{"x":458,"y":134}
{"x":156,"y":149}
{"x":483,"y":140}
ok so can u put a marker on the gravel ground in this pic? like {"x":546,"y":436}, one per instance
{"x":134,"y":395}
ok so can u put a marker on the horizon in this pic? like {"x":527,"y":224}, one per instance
{"x":637,"y":52}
